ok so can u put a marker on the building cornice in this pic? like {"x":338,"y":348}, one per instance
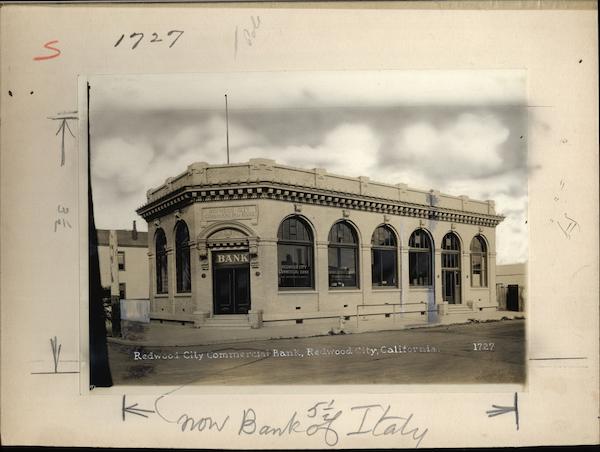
{"x":261,"y":190}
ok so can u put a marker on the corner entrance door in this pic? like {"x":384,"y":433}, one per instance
{"x":451,"y":286}
{"x":231,"y":283}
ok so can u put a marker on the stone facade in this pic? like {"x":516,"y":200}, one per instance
{"x":234,"y":215}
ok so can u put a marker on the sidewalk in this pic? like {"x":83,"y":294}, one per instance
{"x":177,"y":335}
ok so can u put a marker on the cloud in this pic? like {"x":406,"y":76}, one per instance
{"x":273,"y":90}
{"x":348,"y":149}
{"x":208,"y":140}
{"x":469,"y":145}
{"x":470,"y":151}
{"x":124,"y":169}
{"x":465,"y":174}
{"x":122,"y":163}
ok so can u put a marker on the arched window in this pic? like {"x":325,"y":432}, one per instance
{"x":295,"y":254}
{"x":162,"y":276}
{"x":182,"y":258}
{"x":478,"y":262}
{"x":384,"y":258}
{"x":343,"y":256}
{"x":419,"y":259}
{"x":450,"y":251}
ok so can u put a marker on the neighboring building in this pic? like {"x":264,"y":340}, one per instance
{"x":132,"y":262}
{"x":284,"y":244}
{"x":511,"y":284}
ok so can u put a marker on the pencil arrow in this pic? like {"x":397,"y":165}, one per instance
{"x":131,"y":409}
{"x":63,"y":125}
{"x":498,"y":410}
{"x":55,"y":352}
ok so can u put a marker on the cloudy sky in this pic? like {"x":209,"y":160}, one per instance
{"x":461,"y":132}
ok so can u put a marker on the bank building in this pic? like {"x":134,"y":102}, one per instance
{"x":262,"y":244}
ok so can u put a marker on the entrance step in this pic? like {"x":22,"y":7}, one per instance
{"x":459,"y":309}
{"x":228,"y":321}
{"x":230,"y":318}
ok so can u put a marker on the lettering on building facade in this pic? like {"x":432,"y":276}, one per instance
{"x":230,"y":213}
{"x":232,"y":258}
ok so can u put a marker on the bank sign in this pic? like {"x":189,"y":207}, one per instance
{"x":232,"y":258}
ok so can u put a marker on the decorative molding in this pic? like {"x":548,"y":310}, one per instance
{"x":202,"y":249}
{"x":301,"y":195}
{"x":227,"y":213}
{"x":228,"y":234}
{"x":434,"y":197}
{"x":364,"y":184}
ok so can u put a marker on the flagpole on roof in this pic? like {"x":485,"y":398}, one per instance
{"x":227,"y":127}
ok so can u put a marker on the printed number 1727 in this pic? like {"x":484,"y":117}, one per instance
{"x":484,"y":346}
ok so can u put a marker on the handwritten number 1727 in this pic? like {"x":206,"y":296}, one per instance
{"x":138,"y":37}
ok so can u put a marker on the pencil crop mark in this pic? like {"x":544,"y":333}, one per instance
{"x":132,"y":409}
{"x":64,"y":125}
{"x":498,"y":410}
{"x":56,"y":349}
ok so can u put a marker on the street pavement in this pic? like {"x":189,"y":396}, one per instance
{"x":486,"y":352}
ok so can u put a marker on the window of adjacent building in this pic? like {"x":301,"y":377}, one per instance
{"x":343,"y":256}
{"x":182,"y":258}
{"x":162,"y":279}
{"x":420,"y":259}
{"x":295,"y":254}
{"x":384,"y":258}
{"x":478,"y":262}
{"x":121,"y":260}
{"x":122,"y":291}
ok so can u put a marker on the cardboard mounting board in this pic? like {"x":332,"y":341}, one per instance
{"x":47,"y":54}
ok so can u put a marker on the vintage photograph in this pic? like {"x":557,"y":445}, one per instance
{"x":301,"y":228}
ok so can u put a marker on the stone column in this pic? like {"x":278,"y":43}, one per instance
{"x":172,"y":283}
{"x":433,"y":306}
{"x":404,"y":274}
{"x":194,"y":271}
{"x":151,"y":280}
{"x":199,"y":282}
{"x":202,"y":283}
{"x":465,"y":276}
{"x":437,"y":276}
{"x":366,"y":285}
{"x":264,"y":280}
{"x":322,"y":275}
